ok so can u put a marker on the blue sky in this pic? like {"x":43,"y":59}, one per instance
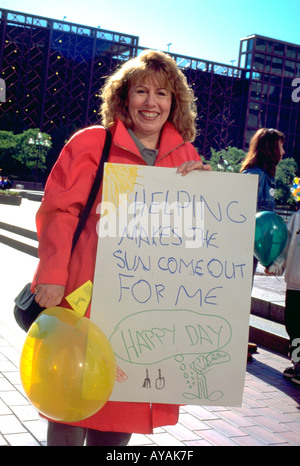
{"x":208,"y":29}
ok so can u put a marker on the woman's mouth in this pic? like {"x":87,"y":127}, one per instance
{"x":150,"y":115}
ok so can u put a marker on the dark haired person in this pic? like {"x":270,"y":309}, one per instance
{"x":265,"y":152}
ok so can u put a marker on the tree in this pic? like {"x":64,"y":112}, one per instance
{"x":285,"y":174}
{"x":8,"y":163}
{"x":32,"y":147}
{"x":7,"y":140}
{"x":227,"y":160}
{"x":230,"y":159}
{"x":24,"y":154}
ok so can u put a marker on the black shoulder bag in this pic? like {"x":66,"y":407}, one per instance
{"x":26,"y":309}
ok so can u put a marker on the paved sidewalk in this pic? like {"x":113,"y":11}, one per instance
{"x":269,"y":416}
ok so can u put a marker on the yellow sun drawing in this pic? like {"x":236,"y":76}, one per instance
{"x":119,"y":179}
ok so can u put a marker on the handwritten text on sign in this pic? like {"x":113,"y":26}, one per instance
{"x":173,"y":282}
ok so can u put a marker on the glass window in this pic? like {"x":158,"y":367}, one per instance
{"x":286,"y":98}
{"x":253,"y":118}
{"x":244,"y":45}
{"x":278,"y":48}
{"x":256,"y":76}
{"x":265,"y":91}
{"x":293,"y":121}
{"x":248,"y":45}
{"x":289,"y":69}
{"x":267,"y":78}
{"x":259,"y":91}
{"x":291,"y":147}
{"x":274,"y":92}
{"x":263,"y":114}
{"x":271,"y":116}
{"x":291,"y":52}
{"x":287,"y":82}
{"x":259,"y":61}
{"x":248,"y":137}
{"x":269,"y":47}
{"x":268,"y":64}
{"x":261,"y":44}
{"x":284,"y":119}
{"x":277,"y":65}
{"x":249,"y":59}
{"x":275,"y":80}
{"x":254,"y":107}
{"x":242,"y":63}
{"x":255,"y":91}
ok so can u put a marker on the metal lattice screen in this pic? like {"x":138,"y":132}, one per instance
{"x":221,"y":108}
{"x":53,"y":76}
{"x":54,"y":70}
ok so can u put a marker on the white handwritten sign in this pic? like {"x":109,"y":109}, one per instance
{"x":173,"y":280}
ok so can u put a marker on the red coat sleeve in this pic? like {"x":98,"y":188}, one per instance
{"x":66,"y":194}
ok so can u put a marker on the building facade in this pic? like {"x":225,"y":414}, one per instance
{"x":273,"y":73}
{"x":51,"y":73}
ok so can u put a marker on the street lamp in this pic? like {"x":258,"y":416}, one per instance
{"x":39,"y":142}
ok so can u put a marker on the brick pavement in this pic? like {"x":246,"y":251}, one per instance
{"x":269,"y":416}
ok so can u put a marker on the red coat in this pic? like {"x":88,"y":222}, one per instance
{"x":66,"y":193}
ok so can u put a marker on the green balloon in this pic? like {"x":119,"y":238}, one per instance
{"x":270,"y":237}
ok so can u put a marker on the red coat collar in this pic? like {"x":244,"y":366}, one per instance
{"x":170,"y":139}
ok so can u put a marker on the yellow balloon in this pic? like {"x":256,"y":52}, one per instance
{"x":67,"y":366}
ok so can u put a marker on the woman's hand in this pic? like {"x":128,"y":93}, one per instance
{"x":48,"y":295}
{"x":191,"y":165}
{"x":269,"y":273}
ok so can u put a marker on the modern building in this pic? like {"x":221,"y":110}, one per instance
{"x":273,"y":73}
{"x":52,"y":70}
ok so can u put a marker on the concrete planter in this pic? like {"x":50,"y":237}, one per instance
{"x":10,"y":200}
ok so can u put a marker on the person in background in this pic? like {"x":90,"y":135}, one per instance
{"x":265,"y":152}
{"x":150,"y":110}
{"x":289,"y":262}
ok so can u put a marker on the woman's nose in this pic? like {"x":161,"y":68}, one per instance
{"x":150,"y":99}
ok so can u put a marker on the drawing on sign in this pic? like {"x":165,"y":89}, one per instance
{"x":199,"y":341}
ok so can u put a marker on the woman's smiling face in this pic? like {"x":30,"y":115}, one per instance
{"x":149,"y":106}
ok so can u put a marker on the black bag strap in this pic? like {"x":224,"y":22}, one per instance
{"x":94,"y":190}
